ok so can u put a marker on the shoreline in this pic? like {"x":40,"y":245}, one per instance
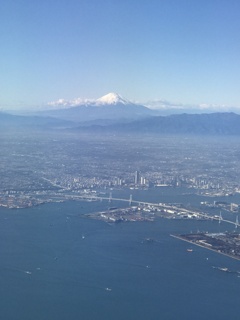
{"x":205,"y":247}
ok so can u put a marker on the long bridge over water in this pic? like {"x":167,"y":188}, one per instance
{"x":130,"y":201}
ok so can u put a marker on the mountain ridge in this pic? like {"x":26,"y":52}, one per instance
{"x":199,"y":124}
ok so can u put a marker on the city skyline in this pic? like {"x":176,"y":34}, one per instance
{"x":180,"y":52}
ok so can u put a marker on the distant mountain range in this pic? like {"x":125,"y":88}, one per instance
{"x":113,"y":106}
{"x":198,"y":124}
{"x":112,"y":113}
{"x":11,"y":122}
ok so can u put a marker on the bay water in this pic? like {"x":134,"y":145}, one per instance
{"x":56,"y":263}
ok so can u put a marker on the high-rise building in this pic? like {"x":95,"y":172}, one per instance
{"x":136,"y":177}
{"x":142,"y":181}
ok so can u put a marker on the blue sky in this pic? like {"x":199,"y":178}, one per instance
{"x":186,"y":51}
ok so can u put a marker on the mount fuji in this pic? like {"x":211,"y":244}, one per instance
{"x":111,"y":106}
{"x":112,"y":99}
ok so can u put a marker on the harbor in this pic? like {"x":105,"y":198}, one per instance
{"x":227,"y":243}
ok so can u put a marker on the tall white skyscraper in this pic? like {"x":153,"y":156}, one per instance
{"x":136,"y":177}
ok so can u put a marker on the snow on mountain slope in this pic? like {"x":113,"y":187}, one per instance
{"x":112,"y":98}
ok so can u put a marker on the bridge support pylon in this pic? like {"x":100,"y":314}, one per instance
{"x":130,"y":200}
{"x":220,"y":217}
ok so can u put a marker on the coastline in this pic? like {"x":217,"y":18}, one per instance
{"x":205,"y":247}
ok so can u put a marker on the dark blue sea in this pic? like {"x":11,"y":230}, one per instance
{"x":57,"y":264}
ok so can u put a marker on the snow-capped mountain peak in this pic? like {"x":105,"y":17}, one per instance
{"x":108,"y":99}
{"x":112,"y":98}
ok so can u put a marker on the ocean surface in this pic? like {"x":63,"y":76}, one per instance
{"x":57,"y":264}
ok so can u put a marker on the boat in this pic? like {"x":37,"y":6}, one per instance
{"x":28,"y":272}
{"x":223,"y":269}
